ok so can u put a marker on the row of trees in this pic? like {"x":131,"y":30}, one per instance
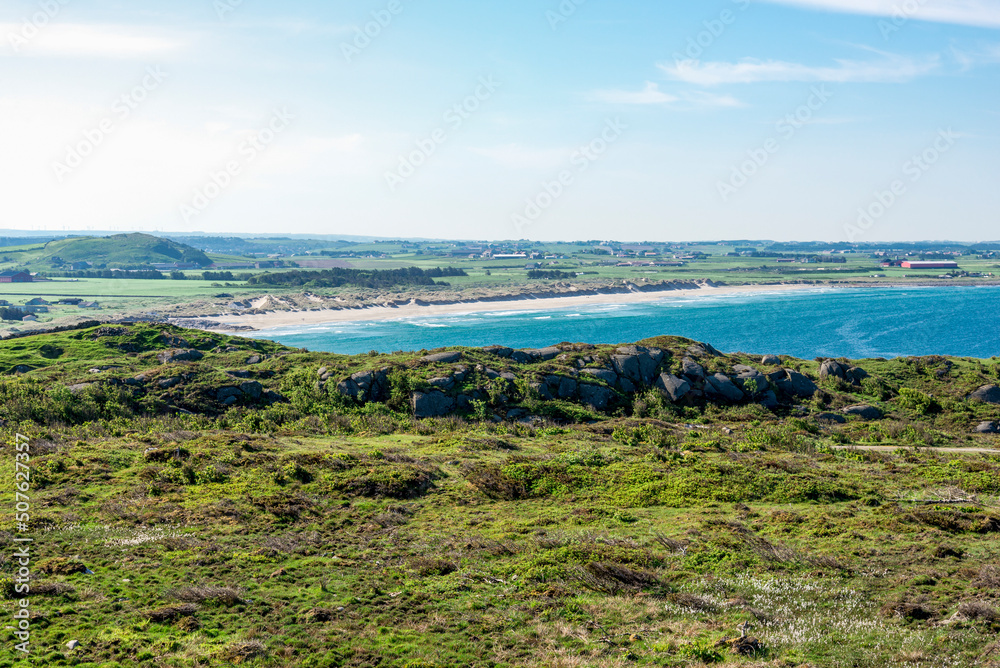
{"x":362,"y":278}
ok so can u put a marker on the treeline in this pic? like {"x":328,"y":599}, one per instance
{"x":554,"y":275}
{"x":362,"y":278}
{"x":142,"y":274}
{"x":11,"y":314}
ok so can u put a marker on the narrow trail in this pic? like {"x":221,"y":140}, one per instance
{"x":893,"y":448}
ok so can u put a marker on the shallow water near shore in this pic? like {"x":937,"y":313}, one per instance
{"x":854,"y":323}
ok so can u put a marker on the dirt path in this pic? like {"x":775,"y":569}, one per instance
{"x":893,"y":448}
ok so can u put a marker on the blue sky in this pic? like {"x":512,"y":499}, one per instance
{"x":792,"y":119}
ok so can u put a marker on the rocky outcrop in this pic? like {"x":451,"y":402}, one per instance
{"x":863,"y":411}
{"x":721,"y":387}
{"x":770,"y":360}
{"x":562,"y":387}
{"x":637,"y":364}
{"x":793,"y":383}
{"x":692,"y":370}
{"x":676,"y":388}
{"x":989,"y":394}
{"x":366,"y":385}
{"x":431,"y":404}
{"x":178,"y":355}
{"x":832,"y":369}
{"x":606,"y":375}
{"x":988,"y":428}
{"x":442,"y":358}
{"x":751,"y":381}
{"x":596,"y":396}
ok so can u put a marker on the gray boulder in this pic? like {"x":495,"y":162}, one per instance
{"x":78,"y":387}
{"x":608,"y":376}
{"x":168,"y":356}
{"x":703,"y":350}
{"x":167,"y":383}
{"x":988,"y":428}
{"x":831,"y":417}
{"x":720,"y":386}
{"x":562,"y":386}
{"x":224,"y":393}
{"x":521,"y":357}
{"x":832,"y":369}
{"x":627,"y":366}
{"x":770,"y":360}
{"x":441,"y":383}
{"x":795,"y":384}
{"x":768,"y":399}
{"x":863,"y":411}
{"x":692,"y":369}
{"x":370,"y":385}
{"x":596,"y":396}
{"x":431,"y":404}
{"x":989,"y":394}
{"x":499,"y":351}
{"x":443,"y":358}
{"x":544,"y":354}
{"x":542,"y":389}
{"x":637,"y":363}
{"x":750,"y":376}
{"x":675,"y":387}
{"x":252,"y":389}
{"x":856,"y":374}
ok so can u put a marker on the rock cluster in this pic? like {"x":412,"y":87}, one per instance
{"x":849,"y":374}
{"x":598,"y":381}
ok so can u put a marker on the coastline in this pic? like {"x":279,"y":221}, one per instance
{"x":280,"y":319}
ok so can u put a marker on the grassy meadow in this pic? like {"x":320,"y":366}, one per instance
{"x":295,"y":526}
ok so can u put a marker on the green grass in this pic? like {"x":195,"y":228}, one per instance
{"x":324,"y":532}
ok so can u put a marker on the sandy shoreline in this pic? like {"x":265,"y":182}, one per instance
{"x":280,"y":319}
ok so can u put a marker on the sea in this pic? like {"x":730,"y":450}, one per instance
{"x":826,"y":322}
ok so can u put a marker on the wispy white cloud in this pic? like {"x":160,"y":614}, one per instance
{"x":89,"y":40}
{"x":518,"y":156}
{"x":984,"y":13}
{"x":750,"y":70}
{"x":652,"y":95}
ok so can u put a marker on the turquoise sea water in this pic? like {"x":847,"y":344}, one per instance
{"x":855,"y":323}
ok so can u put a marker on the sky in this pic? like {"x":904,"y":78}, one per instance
{"x":839,"y":120}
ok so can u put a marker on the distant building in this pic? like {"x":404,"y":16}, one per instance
{"x":79,"y":266}
{"x":4,"y":302}
{"x":91,"y":305}
{"x":510,"y":256}
{"x":69,"y":301}
{"x":913,"y":264}
{"x":37,"y":301}
{"x":29,"y":318}
{"x":15,"y":277}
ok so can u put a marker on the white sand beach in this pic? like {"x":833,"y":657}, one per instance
{"x":279,"y":319}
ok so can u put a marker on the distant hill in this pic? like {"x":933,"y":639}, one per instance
{"x":120,"y":250}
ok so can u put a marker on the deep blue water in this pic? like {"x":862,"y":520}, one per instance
{"x":855,"y":323}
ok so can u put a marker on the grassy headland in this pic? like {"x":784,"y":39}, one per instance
{"x":239,"y":501}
